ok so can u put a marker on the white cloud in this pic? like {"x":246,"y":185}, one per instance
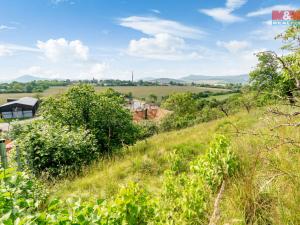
{"x":5,"y":27}
{"x":235,"y":4}
{"x":153,"y":26}
{"x":225,"y":15}
{"x":161,"y":46}
{"x":268,"y":10}
{"x":234,"y":46}
{"x":57,"y":49}
{"x":155,"y":11}
{"x":97,"y":70}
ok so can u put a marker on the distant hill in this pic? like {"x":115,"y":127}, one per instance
{"x":28,"y":78}
{"x":166,"y":80}
{"x":216,"y":79}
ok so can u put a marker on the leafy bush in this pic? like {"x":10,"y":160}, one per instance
{"x":56,"y":150}
{"x":175,"y":121}
{"x":20,"y":195}
{"x":131,"y":206}
{"x":217,"y":164}
{"x":185,"y":200}
{"x":147,"y":129}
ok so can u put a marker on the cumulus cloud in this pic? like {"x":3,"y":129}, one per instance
{"x":225,"y":15}
{"x":268,"y":10}
{"x":97,"y":70}
{"x":58,"y":49}
{"x":234,"y":46}
{"x":161,"y":46}
{"x":153,"y":26}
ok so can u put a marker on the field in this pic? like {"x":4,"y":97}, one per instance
{"x":137,"y":91}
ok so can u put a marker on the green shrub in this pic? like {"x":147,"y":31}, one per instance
{"x":57,"y":151}
{"x":175,"y":121}
{"x":185,"y":200}
{"x":147,"y":129}
{"x":132,"y":205}
{"x":20,"y":195}
{"x":217,"y":164}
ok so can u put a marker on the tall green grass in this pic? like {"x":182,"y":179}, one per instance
{"x":267,"y":191}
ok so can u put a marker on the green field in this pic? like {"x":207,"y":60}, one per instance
{"x":137,"y":91}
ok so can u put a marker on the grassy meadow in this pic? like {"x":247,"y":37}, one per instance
{"x":267,"y":188}
{"x":137,"y":91}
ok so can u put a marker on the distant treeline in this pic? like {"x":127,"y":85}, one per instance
{"x":31,"y":87}
{"x":111,"y":83}
{"x":42,"y":85}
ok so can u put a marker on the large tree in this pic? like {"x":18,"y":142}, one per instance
{"x":280,"y":74}
{"x":102,"y":114}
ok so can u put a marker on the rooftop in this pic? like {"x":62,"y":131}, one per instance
{"x":24,"y":101}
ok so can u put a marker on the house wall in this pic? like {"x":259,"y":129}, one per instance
{"x":17,"y":114}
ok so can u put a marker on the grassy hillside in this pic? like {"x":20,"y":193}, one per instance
{"x":268,"y":188}
{"x":146,"y":161}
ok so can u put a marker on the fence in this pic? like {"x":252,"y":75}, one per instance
{"x":4,"y":158}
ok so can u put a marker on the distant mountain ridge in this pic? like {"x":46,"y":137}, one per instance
{"x":28,"y":78}
{"x":244,"y":78}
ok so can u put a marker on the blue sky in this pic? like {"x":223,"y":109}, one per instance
{"x":80,"y":39}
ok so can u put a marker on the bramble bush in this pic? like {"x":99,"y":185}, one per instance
{"x":57,"y":151}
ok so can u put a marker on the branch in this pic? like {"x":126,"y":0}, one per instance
{"x":284,"y":65}
{"x":216,"y":213}
{"x":280,"y":113}
{"x":286,"y":125}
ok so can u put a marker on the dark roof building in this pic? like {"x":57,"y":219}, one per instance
{"x":22,"y":108}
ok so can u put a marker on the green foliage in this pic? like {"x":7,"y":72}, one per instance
{"x":20,"y":195}
{"x":189,"y":109}
{"x":147,"y":129}
{"x":30,"y":87}
{"x":217,"y":164}
{"x":57,"y":151}
{"x":279,"y":75}
{"x":187,"y":194}
{"x":132,"y":205}
{"x":175,"y":121}
{"x":185,"y":200}
{"x":181,"y":103}
{"x":102,"y":114}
